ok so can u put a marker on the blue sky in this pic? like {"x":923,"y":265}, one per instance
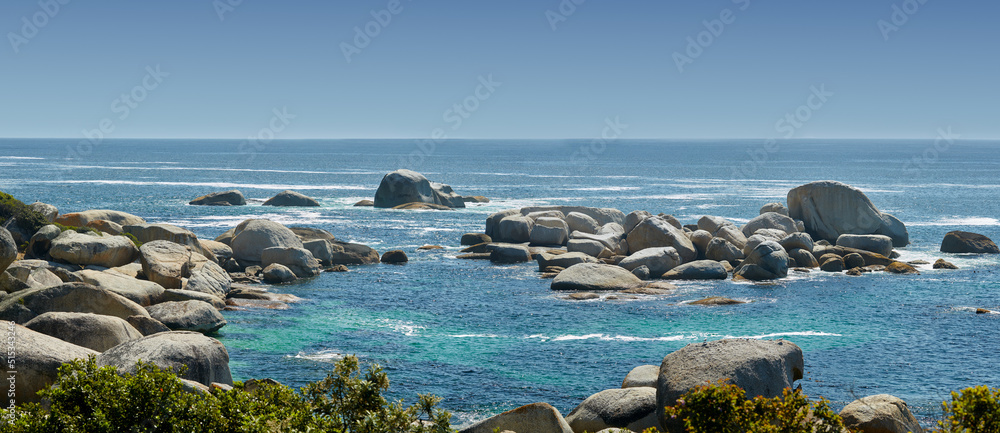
{"x":556,"y":73}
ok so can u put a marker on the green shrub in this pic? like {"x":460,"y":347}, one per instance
{"x":973,"y":410}
{"x":77,"y":229}
{"x":27,"y":219}
{"x":724,"y":408}
{"x":92,"y":399}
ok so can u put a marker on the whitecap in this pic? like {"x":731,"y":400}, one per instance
{"x":406,"y":328}
{"x":959,"y":221}
{"x":475,"y":336}
{"x":789,"y":334}
{"x":321,"y":356}
{"x":606,"y":337}
{"x":20,"y":157}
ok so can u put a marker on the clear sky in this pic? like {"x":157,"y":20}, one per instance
{"x":559,"y":68}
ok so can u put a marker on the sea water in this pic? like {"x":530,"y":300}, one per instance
{"x":489,"y":338}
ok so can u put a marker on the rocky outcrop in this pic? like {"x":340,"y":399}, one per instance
{"x":49,"y":212}
{"x":475,"y":239}
{"x":878,"y":244}
{"x":225,"y":198}
{"x":632,"y":408}
{"x":345,"y":253}
{"x":291,"y":199}
{"x":253,"y":236}
{"x":960,"y":242}
{"x":25,"y":305}
{"x":881,"y":413}
{"x":165,"y":263}
{"x":91,"y":249}
{"x":394,"y":257}
{"x":536,"y":417}
{"x":657,"y":260}
{"x":8,"y":249}
{"x":769,"y":220}
{"x":206,"y":358}
{"x":768,"y":261}
{"x":642,"y":376}
{"x":27,"y":274}
{"x":698,"y":270}
{"x":503,"y":254}
{"x":299,"y":260}
{"x":197,"y":316}
{"x":407,"y":186}
{"x":80,"y":219}
{"x":139,"y":291}
{"x":830,"y":209}
{"x":595,"y":277}
{"x":39,"y":357}
{"x":93,"y":331}
{"x":760,"y":367}
{"x":657,"y":231}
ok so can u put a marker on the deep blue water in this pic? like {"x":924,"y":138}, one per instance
{"x":489,"y":338}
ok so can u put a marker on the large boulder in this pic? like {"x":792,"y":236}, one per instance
{"x":589,"y":247}
{"x":965,"y":242}
{"x":276,"y":273}
{"x":803,"y":258}
{"x":165,"y":263}
{"x":698,"y":270}
{"x":881,"y":413}
{"x":493,"y":222}
{"x":712,"y":224}
{"x":225,"y":198}
{"x":253,"y":236}
{"x":407,"y":186}
{"x":878,"y":244}
{"x":80,"y":219}
{"x":219,"y":250}
{"x":733,"y":235}
{"x":139,"y":291}
{"x":768,"y":261}
{"x":475,"y":239}
{"x":549,"y":231}
{"x":8,"y":249}
{"x":658,"y":260}
{"x":658,"y":232}
{"x":632,"y":408}
{"x":642,"y":376}
{"x":298,"y":260}
{"x":193,"y":315}
{"x":603,"y":216}
{"x":309,"y":233}
{"x":321,"y":250}
{"x":93,"y":331}
{"x":769,"y":220}
{"x":206,"y":358}
{"x":145,"y":233}
{"x":27,"y":274}
{"x":179,"y":295}
{"x":589,"y":277}
{"x":562,"y":260}
{"x":515,"y":228}
{"x":774,"y":207}
{"x":39,"y":357}
{"x":634,"y":218}
{"x":722,"y":250}
{"x":210,"y":278}
{"x":503,"y":254}
{"x":829,"y":209}
{"x":49,"y":212}
{"x":760,"y":367}
{"x":91,"y":249}
{"x":800,"y":240}
{"x":532,"y":418}
{"x":41,"y":241}
{"x":582,"y":223}
{"x":25,"y":305}
{"x":291,"y":198}
{"x":345,"y":253}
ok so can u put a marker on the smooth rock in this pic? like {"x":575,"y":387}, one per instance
{"x":854,"y":260}
{"x":797,"y":240}
{"x":509,"y":254}
{"x":345,"y":253}
{"x":38,"y":246}
{"x":586,"y":246}
{"x":634,"y":218}
{"x":27,"y":274}
{"x":147,"y":325}
{"x":760,"y":367}
{"x":564,"y":261}
{"x":276,"y":273}
{"x":93,"y":331}
{"x":701,"y":239}
{"x":642,"y":272}
{"x":109,"y":227}
{"x":603,"y":216}
{"x":165,"y":263}
{"x":584,"y":296}
{"x":878,"y":244}
{"x":960,"y":242}
{"x":321,"y":250}
{"x":39,"y":357}
{"x":80,"y":219}
{"x":720,"y":249}
{"x":768,"y":257}
{"x":803,"y":258}
{"x":595,"y":277}
{"x":580,"y":222}
{"x":942,"y":264}
{"x":833,"y":264}
{"x":901,"y":268}
{"x":829,"y":209}
{"x":655,"y":232}
{"x":209,"y":278}
{"x":881,"y":413}
{"x":642,"y":376}
{"x":774,"y":207}
{"x":407,"y":186}
{"x":364,"y":203}
{"x":697,"y":270}
{"x":253,"y":236}
{"x":291,"y":199}
{"x":532,"y":418}
{"x":206,"y":358}
{"x":515,"y":228}
{"x":87,"y":249}
{"x":769,"y":220}
{"x":659,"y":260}
{"x":716,"y":300}
{"x":475,"y":238}
{"x":226,"y":198}
{"x":712,"y":224}
{"x":141,"y":292}
{"x":179,"y":295}
{"x":544,"y":234}
{"x":394,"y":256}
{"x":493,"y":222}
{"x":49,"y":212}
{"x":632,"y":408}
{"x":25,"y":305}
{"x":198,"y":316}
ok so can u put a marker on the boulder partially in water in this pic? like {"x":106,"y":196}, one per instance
{"x":830,"y":209}
{"x":965,"y":242}
{"x":585,"y":277}
{"x":291,"y":199}
{"x":407,"y":186}
{"x":251,"y":237}
{"x":226,"y":198}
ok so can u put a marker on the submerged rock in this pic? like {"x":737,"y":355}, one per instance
{"x":394,"y":256}
{"x":942,"y":264}
{"x":226,"y":198}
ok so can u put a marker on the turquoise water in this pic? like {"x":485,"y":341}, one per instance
{"x":489,"y":338}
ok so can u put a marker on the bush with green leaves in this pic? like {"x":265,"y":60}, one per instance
{"x":26,"y":218}
{"x":92,"y":399}
{"x":723,"y":408}
{"x":973,"y":410}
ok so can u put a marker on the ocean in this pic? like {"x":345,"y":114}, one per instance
{"x":489,"y":338}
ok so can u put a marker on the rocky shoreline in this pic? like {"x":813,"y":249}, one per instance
{"x":109,"y":284}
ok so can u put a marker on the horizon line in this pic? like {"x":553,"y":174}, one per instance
{"x":452,"y":139}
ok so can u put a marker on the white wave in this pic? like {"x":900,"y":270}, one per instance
{"x":321,"y":356}
{"x":604,"y":188}
{"x":789,"y":334}
{"x":475,"y":336}
{"x":959,"y":221}
{"x":205,"y":184}
{"x":606,"y":337}
{"x":406,"y":328}
{"x":19,"y":157}
{"x":674,"y":197}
